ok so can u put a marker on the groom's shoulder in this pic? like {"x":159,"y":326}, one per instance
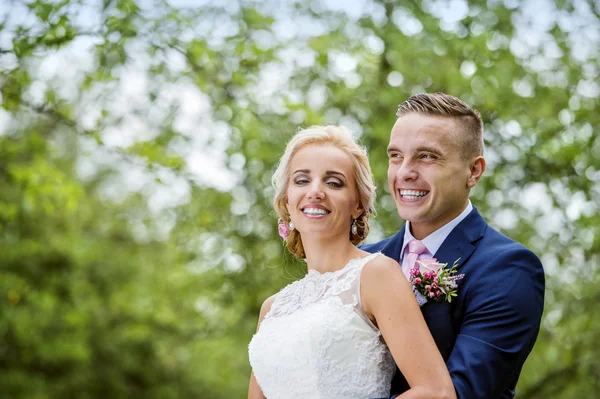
{"x":377,"y":246}
{"x":497,"y":245}
{"x":496,"y":239}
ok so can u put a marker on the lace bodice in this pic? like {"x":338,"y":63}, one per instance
{"x":316,"y":341}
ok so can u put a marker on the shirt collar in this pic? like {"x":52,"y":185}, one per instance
{"x":434,"y":241}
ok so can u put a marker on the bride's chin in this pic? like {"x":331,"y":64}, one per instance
{"x":324,"y":234}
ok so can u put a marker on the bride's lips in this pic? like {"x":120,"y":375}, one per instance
{"x":314,"y":211}
{"x":411,"y":194}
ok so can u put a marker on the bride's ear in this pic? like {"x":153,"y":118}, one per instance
{"x":358,"y":212}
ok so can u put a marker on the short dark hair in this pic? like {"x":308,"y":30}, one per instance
{"x":470,"y":137}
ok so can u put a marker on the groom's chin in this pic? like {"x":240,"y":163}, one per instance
{"x":412,"y":215}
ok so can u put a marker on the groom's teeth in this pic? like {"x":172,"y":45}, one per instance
{"x":412,"y":194}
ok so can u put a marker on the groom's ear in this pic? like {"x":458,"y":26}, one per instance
{"x":476,"y":170}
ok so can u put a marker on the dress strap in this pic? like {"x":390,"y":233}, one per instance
{"x":350,"y":294}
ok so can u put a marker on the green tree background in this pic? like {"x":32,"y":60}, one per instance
{"x":137,"y":141}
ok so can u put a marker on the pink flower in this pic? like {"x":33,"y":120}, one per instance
{"x":434,"y":281}
{"x":283,"y":229}
{"x":430,"y":264}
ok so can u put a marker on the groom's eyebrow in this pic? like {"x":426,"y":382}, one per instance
{"x":429,"y":149}
{"x":393,"y":149}
{"x":419,"y":149}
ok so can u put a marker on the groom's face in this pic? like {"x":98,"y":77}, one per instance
{"x":427,"y":176}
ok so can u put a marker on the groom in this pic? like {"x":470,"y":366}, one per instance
{"x":486,"y":333}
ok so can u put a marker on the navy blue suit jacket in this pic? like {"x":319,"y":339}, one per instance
{"x":487,"y":332}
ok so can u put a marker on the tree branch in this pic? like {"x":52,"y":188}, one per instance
{"x":120,"y":153}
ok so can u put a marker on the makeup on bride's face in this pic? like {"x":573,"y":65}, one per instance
{"x":321,"y":196}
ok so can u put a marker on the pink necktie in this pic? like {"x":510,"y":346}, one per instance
{"x":415,"y":248}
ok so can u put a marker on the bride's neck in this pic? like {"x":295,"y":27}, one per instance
{"x":329,"y":255}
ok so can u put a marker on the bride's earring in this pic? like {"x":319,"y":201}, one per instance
{"x":354,"y":228}
{"x":291,"y":225}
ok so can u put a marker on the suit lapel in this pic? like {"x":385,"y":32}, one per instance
{"x":461,"y":241}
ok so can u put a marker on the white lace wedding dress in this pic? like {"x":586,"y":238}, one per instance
{"x":316,"y":341}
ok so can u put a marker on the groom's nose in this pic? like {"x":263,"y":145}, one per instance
{"x":406,"y":171}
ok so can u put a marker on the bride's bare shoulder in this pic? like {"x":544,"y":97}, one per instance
{"x":266,"y":306}
{"x":380,"y":273}
{"x":381,"y":266}
{"x":264,"y":309}
{"x":383,"y":284}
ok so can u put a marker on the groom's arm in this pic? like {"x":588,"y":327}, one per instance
{"x":500,"y":326}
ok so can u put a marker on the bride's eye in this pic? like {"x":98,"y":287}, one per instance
{"x":334,"y":183}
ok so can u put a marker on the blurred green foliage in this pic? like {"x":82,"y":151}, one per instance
{"x":137,"y":141}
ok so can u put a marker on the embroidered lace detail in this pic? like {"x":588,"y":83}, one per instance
{"x":317,"y":342}
{"x":315,"y":287}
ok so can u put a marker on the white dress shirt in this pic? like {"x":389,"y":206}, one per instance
{"x":433,"y":241}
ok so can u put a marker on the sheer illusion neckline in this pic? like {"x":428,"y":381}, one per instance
{"x":314,"y":272}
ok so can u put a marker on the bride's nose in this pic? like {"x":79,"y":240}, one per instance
{"x":316,"y":191}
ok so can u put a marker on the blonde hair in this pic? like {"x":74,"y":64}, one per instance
{"x":470,"y":139}
{"x":341,"y":138}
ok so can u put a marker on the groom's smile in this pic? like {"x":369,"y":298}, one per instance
{"x":411,"y":194}
{"x":427,"y":175}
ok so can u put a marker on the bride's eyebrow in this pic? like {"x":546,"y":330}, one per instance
{"x":307,"y":171}
{"x":335,"y":173}
{"x":327,"y":173}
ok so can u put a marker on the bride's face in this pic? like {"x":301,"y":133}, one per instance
{"x":322,"y":197}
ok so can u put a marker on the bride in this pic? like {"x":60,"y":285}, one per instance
{"x":337,"y":332}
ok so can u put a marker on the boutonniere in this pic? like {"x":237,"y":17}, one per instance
{"x":434,"y":281}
